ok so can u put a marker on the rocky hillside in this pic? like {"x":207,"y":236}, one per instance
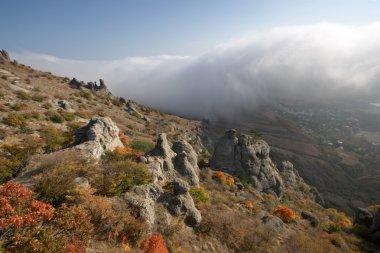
{"x":85,"y":171}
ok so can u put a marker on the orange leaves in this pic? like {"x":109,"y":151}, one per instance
{"x":230,"y":181}
{"x":345,"y":224}
{"x":285,"y":214}
{"x":249,"y":204}
{"x":221,"y":177}
{"x":154,"y":244}
{"x":126,"y":150}
{"x":18,"y":209}
{"x":123,"y":138}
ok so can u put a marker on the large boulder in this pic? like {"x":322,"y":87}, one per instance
{"x":234,"y":153}
{"x":143,"y":198}
{"x":290,"y":175}
{"x":180,"y":203}
{"x":363,"y":217}
{"x":167,"y":163}
{"x":98,"y":136}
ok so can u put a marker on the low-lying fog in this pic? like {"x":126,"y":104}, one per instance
{"x":301,"y":62}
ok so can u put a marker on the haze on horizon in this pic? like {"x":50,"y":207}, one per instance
{"x":205,"y":58}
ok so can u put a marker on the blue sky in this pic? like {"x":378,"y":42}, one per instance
{"x":104,"y":30}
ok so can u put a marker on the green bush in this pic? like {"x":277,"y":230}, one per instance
{"x":56,"y":118}
{"x":14,"y":119}
{"x":121,"y":175}
{"x":142,"y":145}
{"x":332,"y":227}
{"x":199,"y":194}
{"x":53,"y":138}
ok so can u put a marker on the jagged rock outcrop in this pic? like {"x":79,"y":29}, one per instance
{"x":131,"y":109}
{"x":101,"y":134}
{"x":60,"y":103}
{"x":168,"y":162}
{"x":74,"y":83}
{"x":100,"y":89}
{"x":181,"y":203}
{"x":143,"y":198}
{"x":371,"y":221}
{"x":290,"y":175}
{"x":235,"y":153}
{"x":4,"y":54}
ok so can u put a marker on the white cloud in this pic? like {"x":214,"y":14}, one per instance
{"x":310,"y":61}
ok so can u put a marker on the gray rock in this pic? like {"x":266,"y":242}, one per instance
{"x":74,"y":83}
{"x":60,"y":103}
{"x":180,"y":187}
{"x":240,"y":152}
{"x":143,"y":159}
{"x":100,"y":135}
{"x":310,"y":217}
{"x":82,"y":182}
{"x":363,"y":217}
{"x":181,"y":203}
{"x":272,"y":222}
{"x":143,"y":198}
{"x":375,"y":227}
{"x":290,"y":175}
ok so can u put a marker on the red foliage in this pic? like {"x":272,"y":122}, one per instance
{"x":18,"y":209}
{"x":154,"y":244}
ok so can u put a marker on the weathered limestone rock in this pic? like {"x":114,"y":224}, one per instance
{"x":181,"y":203}
{"x":235,"y":153}
{"x":290,"y":175}
{"x":310,"y":217}
{"x":144,"y":199}
{"x":101,"y":134}
{"x":363,"y":217}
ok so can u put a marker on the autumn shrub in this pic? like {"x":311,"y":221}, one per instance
{"x":154,"y":244}
{"x":249,"y":204}
{"x":13,"y":157}
{"x":121,"y":175}
{"x":285,"y":213}
{"x":18,"y":106}
{"x":24,"y":95}
{"x":199,"y":194}
{"x":38,"y":97}
{"x":142,"y":145}
{"x":55,"y":117}
{"x":47,"y":105}
{"x":82,"y":113}
{"x":54,"y":138}
{"x":221,"y":176}
{"x":55,"y":185}
{"x":85,"y":95}
{"x":331,"y":227}
{"x":230,"y":181}
{"x":14,"y":119}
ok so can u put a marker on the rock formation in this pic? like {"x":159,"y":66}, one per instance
{"x":4,"y":54}
{"x":370,"y":221}
{"x":290,"y":175}
{"x":168,"y":162}
{"x":101,"y":134}
{"x":240,"y":153}
{"x":100,"y":89}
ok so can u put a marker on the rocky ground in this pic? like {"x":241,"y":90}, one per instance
{"x":110,"y":175}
